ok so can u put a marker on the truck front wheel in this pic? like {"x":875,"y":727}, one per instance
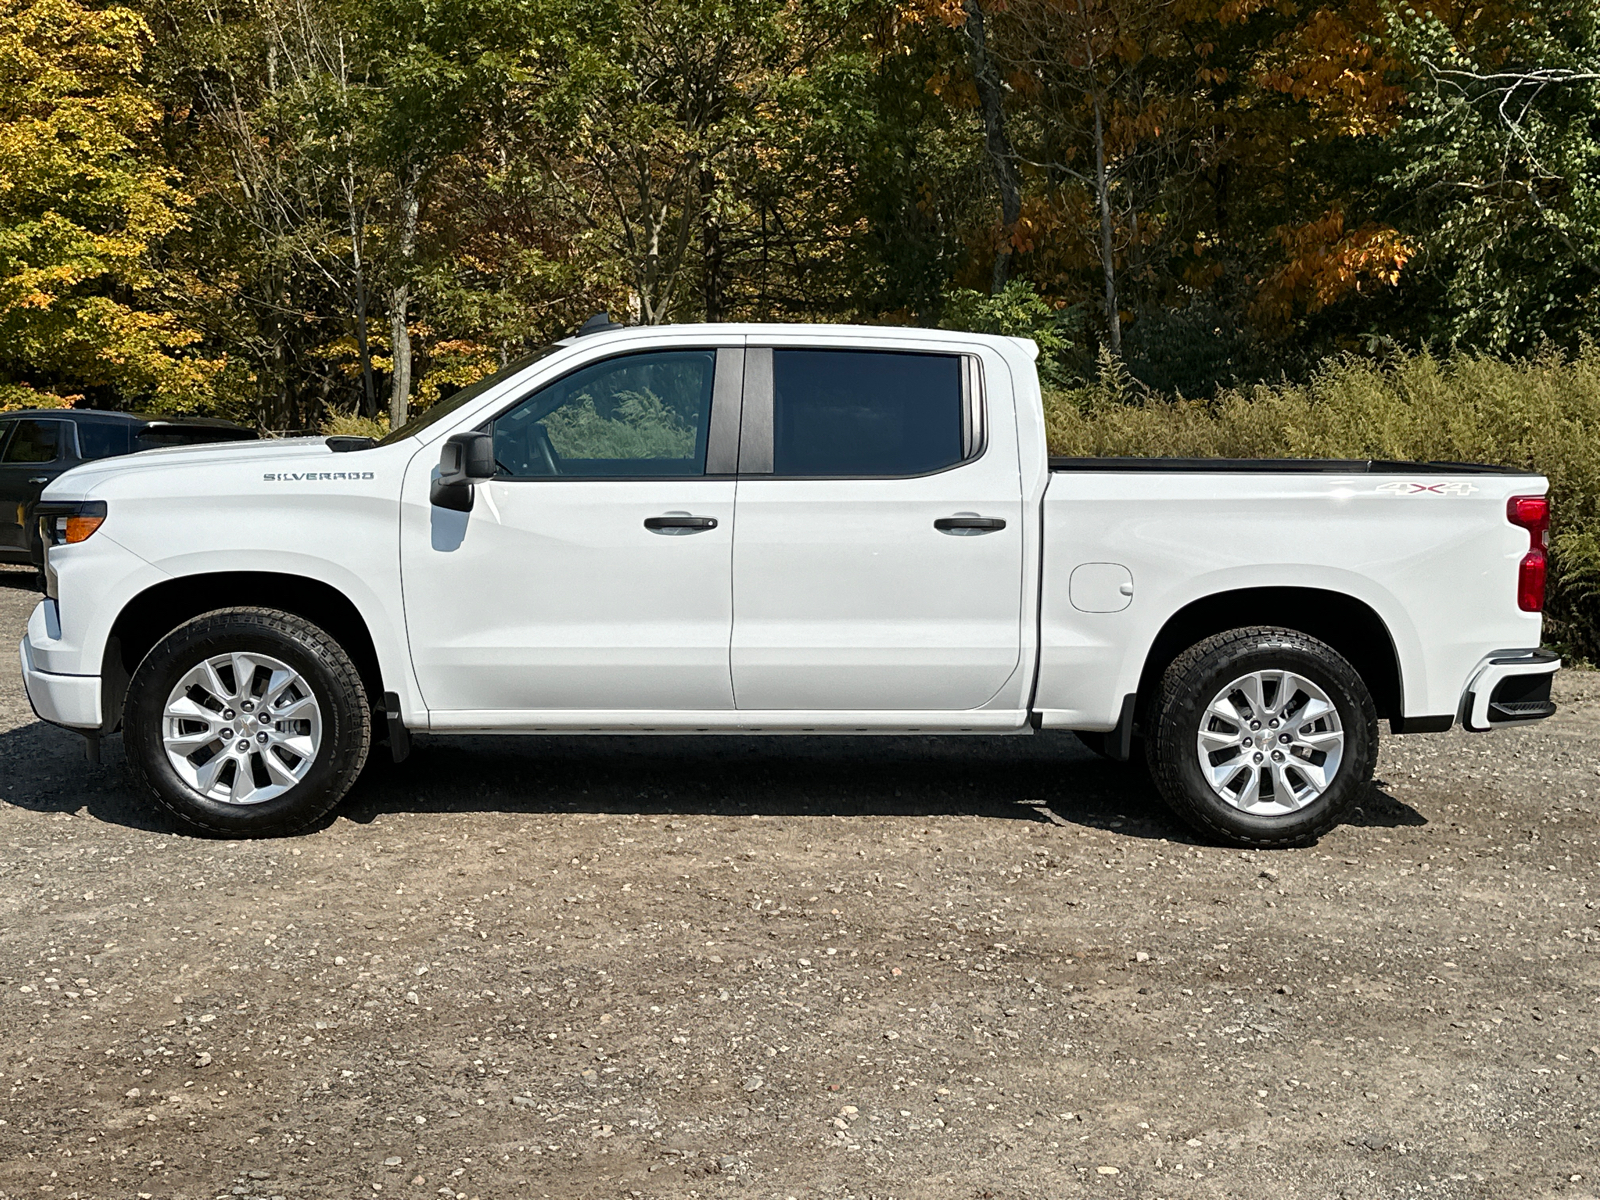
{"x":1262,"y":737}
{"x":247,"y":722}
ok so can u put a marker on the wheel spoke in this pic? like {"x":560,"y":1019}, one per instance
{"x":1317,"y":741}
{"x":212,"y":681}
{"x":186,"y":744}
{"x":1312,"y":711}
{"x":294,"y":708}
{"x":1221,"y":738}
{"x":280,"y":682}
{"x":1285,"y":790}
{"x":1223,"y":707}
{"x":244,"y":782}
{"x":244,"y":673}
{"x":183,"y":708}
{"x":1253,"y":688}
{"x":300,"y":746}
{"x":278,"y":769}
{"x":1247,"y":795}
{"x":1317,"y":777}
{"x":205,"y":776}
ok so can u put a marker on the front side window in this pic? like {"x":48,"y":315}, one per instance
{"x":34,"y":442}
{"x":865,"y":413}
{"x":640,"y":415}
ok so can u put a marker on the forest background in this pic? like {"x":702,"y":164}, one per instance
{"x":1350,"y":227}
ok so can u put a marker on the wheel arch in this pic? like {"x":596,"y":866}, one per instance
{"x":1350,"y":626}
{"x":158,"y":610}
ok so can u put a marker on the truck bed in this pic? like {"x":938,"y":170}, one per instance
{"x":1276,"y":466}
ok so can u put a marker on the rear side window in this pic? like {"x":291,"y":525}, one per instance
{"x":103,"y":439}
{"x":865,"y":412}
{"x":34,"y":442}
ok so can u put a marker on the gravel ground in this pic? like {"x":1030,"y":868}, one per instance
{"x":807,"y":968}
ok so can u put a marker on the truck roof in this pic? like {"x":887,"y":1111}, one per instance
{"x":909,"y":333}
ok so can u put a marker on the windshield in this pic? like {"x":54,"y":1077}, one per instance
{"x":465,"y":396}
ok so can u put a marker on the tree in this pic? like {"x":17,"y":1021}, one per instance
{"x":83,"y":209}
{"x":444,"y":71}
{"x":1498,"y":174}
{"x":666,"y":130}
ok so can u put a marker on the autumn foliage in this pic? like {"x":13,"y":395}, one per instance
{"x":288,"y":211}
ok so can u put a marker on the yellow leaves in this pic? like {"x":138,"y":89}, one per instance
{"x":950,"y":13}
{"x":81,"y":205}
{"x":1326,"y":263}
{"x":20,"y":395}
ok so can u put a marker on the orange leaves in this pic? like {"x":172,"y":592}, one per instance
{"x":1332,"y":61}
{"x":1326,"y":263}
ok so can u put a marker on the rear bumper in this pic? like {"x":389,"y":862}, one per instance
{"x":70,"y":700}
{"x":1510,"y":688}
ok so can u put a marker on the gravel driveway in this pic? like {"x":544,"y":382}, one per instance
{"x":837,"y":968}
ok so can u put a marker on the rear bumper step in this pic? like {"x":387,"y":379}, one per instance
{"x":1510,"y":688}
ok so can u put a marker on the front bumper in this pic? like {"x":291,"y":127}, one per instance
{"x":1509,"y":689}
{"x":70,"y":700}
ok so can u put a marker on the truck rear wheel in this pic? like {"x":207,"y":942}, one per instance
{"x":247,"y":722}
{"x":1262,"y":737}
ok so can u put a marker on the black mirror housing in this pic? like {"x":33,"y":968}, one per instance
{"x":466,"y":458}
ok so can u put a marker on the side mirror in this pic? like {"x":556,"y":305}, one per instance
{"x":466,"y":457}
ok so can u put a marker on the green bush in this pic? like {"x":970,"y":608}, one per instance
{"x":1019,"y":311}
{"x":1542,"y":414}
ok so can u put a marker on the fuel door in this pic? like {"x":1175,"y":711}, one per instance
{"x":1101,"y":587}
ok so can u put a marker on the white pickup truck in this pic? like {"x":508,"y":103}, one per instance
{"x":778,"y":529}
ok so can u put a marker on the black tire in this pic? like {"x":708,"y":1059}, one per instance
{"x":320,"y":661}
{"x":1199,"y":674}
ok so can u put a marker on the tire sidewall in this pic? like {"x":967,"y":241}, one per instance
{"x":1180,"y":726}
{"x":222,"y":633}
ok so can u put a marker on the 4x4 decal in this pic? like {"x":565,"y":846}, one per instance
{"x":1398,"y":488}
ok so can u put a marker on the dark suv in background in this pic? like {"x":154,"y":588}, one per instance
{"x":36,"y":445}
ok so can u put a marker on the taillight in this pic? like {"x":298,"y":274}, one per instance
{"x":1533,"y":514}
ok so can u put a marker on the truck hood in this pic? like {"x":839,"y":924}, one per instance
{"x":287,"y":451}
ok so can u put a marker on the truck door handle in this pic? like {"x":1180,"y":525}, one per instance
{"x":679,"y":524}
{"x":968,"y":524}
{"x":40,"y":479}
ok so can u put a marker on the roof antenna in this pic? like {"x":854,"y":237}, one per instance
{"x":599,"y":323}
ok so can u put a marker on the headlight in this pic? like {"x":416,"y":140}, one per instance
{"x":62,"y":523}
{"x":66,"y":523}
